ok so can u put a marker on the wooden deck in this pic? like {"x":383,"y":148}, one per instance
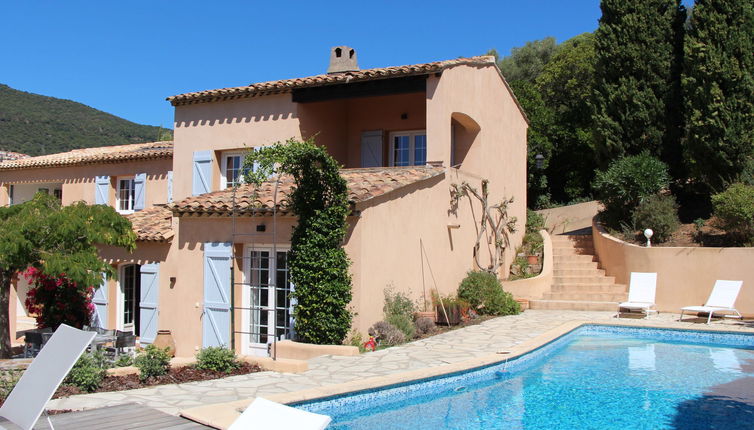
{"x":129,"y":416}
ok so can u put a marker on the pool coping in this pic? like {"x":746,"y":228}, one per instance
{"x":222,"y":415}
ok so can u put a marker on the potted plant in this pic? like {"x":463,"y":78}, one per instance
{"x":449,"y":311}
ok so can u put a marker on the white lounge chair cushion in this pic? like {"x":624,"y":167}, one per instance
{"x":266,"y":414}
{"x":635,"y":305}
{"x":707,"y":309}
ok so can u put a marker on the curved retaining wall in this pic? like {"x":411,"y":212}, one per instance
{"x":534,"y":288}
{"x":685,"y":275}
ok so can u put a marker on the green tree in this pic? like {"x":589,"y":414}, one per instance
{"x":637,"y":74}
{"x":718,"y":86}
{"x":318,"y":262}
{"x":565,"y":87}
{"x":526,"y":62}
{"x":56,"y":240}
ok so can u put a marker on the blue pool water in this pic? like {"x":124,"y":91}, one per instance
{"x":595,"y":377}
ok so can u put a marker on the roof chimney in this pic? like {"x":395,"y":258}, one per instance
{"x":342,"y":59}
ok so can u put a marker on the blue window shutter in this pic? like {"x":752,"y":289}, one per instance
{"x":148,"y":301}
{"x":102,"y":190}
{"x":216,"y":316}
{"x":170,"y":186}
{"x":202,"y":178}
{"x":140,"y":183}
{"x":99,"y":318}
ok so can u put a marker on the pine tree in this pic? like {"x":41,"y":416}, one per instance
{"x":636,"y":93}
{"x":718,"y":86}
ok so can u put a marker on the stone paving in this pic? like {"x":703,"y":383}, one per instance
{"x":492,"y":336}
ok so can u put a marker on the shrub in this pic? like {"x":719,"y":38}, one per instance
{"x":425,"y":325}
{"x":398,"y":304}
{"x":124,"y":361}
{"x":660,"y":213}
{"x":403,"y":323}
{"x":357,"y":340}
{"x":625,"y":183}
{"x":58,"y":300}
{"x":387,"y":334}
{"x":217,"y":358}
{"x":8,"y":380}
{"x":485,"y":295}
{"x":88,"y":372}
{"x":534,"y":221}
{"x":152,"y":361}
{"x":734,"y":210}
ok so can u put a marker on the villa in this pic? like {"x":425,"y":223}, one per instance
{"x":210,"y":264}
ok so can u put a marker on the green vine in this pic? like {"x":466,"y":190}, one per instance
{"x":318,"y":263}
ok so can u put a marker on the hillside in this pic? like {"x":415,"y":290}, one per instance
{"x":36,"y":125}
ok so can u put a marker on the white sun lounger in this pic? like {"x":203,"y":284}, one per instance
{"x":266,"y":414}
{"x":641,"y":293}
{"x":721,"y":299}
{"x":29,"y":397}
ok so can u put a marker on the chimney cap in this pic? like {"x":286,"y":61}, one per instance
{"x":342,"y":59}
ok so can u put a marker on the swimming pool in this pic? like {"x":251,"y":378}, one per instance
{"x":593,"y":377}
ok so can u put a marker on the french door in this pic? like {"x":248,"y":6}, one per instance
{"x":267,"y":298}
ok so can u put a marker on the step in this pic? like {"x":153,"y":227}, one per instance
{"x":600,"y":280}
{"x":577,"y":266}
{"x":573,"y":305}
{"x":587,"y":296}
{"x":577,"y":271}
{"x":573,"y":288}
{"x":560,"y":241}
{"x":557,"y":252}
{"x":574,"y":259}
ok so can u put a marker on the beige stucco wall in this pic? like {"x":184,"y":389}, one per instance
{"x":78,"y":181}
{"x":685,"y":276}
{"x":499,"y":150}
{"x":535,"y":288}
{"x":572,"y":217}
{"x":228,"y":125}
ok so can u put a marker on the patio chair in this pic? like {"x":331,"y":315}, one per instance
{"x":641,"y":293}
{"x":721,"y":300}
{"x":263,"y":413}
{"x":124,"y":340}
{"x":34,"y":339}
{"x":27,"y":401}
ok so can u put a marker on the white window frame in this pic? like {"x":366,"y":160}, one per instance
{"x":411,"y":149}
{"x":224,"y":166}
{"x":117,"y":194}
{"x":246,"y":345}
{"x":121,"y":303}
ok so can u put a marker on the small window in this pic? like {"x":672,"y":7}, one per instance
{"x":232,"y":169}
{"x":10,"y":195}
{"x":408,"y":148}
{"x":126,"y":195}
{"x":58,"y":193}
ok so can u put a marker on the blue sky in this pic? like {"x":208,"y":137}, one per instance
{"x":126,"y":57}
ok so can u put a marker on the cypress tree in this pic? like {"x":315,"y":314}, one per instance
{"x":636,"y":92}
{"x":718,"y":86}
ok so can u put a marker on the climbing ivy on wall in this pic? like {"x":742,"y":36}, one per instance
{"x":318,"y":263}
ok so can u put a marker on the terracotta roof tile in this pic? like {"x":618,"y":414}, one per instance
{"x":104,"y":154}
{"x":287,"y":85}
{"x":363,"y":184}
{"x":153,"y":224}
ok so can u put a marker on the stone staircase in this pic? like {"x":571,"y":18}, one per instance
{"x":578,"y":283}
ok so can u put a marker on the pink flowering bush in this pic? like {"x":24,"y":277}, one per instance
{"x":58,"y":300}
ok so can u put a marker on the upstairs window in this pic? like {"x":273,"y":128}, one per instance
{"x":408,"y":148}
{"x":126,"y":195}
{"x":232,"y":169}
